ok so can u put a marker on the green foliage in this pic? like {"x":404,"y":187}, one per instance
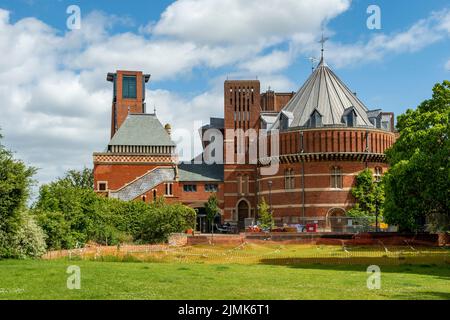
{"x":83,"y":179}
{"x":212,"y":207}
{"x":71,"y":214}
{"x":29,"y":240}
{"x":368,"y":195}
{"x":418,"y":182}
{"x":19,"y":235}
{"x":160,"y":220}
{"x":265,"y":215}
{"x":15,"y":183}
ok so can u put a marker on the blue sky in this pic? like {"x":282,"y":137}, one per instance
{"x":56,"y":104}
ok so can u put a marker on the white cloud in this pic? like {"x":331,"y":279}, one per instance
{"x":447,"y":65}
{"x":425,"y":32}
{"x":235,"y":21}
{"x":273,"y":62}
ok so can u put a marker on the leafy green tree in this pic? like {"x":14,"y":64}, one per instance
{"x":368,"y":194}
{"x":15,"y":185}
{"x":212,"y":209}
{"x":265,"y":215}
{"x":418,"y":183}
{"x":83,"y":179}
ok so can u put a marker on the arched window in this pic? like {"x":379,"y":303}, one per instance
{"x":144,"y":198}
{"x":378,"y":173}
{"x":336,"y":178}
{"x":289,"y":179}
{"x":154,"y":195}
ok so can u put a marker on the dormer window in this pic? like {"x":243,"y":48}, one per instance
{"x":315,"y":119}
{"x":350,"y":117}
{"x":284,"y":122}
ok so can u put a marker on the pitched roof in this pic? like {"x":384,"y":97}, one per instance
{"x":325,"y":92}
{"x":200,"y":172}
{"x":141,"y":130}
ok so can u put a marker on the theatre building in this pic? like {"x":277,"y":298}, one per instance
{"x":325,"y":133}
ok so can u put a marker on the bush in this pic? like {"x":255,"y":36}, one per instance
{"x":71,"y":216}
{"x":160,"y":220}
{"x":29,"y":241}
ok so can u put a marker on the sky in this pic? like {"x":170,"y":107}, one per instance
{"x":56,"y":103}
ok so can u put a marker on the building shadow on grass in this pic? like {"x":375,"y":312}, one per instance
{"x":436,"y":267}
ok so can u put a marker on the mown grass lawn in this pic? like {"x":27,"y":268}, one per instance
{"x":46,"y":279}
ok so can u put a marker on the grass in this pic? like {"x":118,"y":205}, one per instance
{"x":248,"y":272}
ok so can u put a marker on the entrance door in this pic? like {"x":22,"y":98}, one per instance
{"x":243,"y":213}
{"x":337,"y":220}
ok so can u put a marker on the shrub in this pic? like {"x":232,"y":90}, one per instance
{"x":29,"y":241}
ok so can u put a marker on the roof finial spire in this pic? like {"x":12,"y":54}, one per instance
{"x":154,"y":109}
{"x":322,"y":41}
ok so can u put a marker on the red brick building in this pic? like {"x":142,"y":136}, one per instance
{"x":316,"y":141}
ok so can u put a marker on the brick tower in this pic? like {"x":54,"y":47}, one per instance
{"x":128,"y":96}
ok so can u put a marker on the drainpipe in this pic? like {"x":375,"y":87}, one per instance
{"x":303,"y":176}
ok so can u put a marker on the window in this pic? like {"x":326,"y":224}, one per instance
{"x":336,"y":178}
{"x":245,"y":190}
{"x":154,"y":195}
{"x":316,"y":119}
{"x":144,"y":198}
{"x":289,"y":179}
{"x":129,"y":87}
{"x":211,"y":187}
{"x":102,"y":186}
{"x":169,"y":188}
{"x":284,"y":122}
{"x":351,"y":118}
{"x":239,"y":184}
{"x":190,"y":188}
{"x":378,"y":173}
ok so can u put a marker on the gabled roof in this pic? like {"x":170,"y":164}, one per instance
{"x":141,"y":130}
{"x":325,"y":92}
{"x":191,"y":172}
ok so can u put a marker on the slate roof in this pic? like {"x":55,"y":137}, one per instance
{"x":141,"y":130}
{"x":191,"y":172}
{"x":325,"y":92}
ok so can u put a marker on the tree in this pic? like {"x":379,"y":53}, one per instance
{"x":20,"y":237}
{"x":369,"y":196}
{"x":212,"y":209}
{"x":265,"y":215}
{"x":417,"y":184}
{"x":83,"y":179}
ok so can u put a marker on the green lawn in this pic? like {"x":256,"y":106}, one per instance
{"x":266,"y":279}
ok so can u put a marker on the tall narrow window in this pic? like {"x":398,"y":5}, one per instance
{"x":129,"y":87}
{"x":154,"y":195}
{"x":336,"y":178}
{"x":378,"y":173}
{"x":239,"y":184}
{"x":246,"y":189}
{"x":169,"y":189}
{"x":289,"y":179}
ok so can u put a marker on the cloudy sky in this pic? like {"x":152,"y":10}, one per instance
{"x":55,"y":101}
